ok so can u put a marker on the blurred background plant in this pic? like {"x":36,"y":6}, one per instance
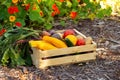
{"x":42,"y":13}
{"x":114,"y":4}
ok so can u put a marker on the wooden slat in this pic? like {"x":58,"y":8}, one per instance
{"x":36,"y":57}
{"x":67,"y":59}
{"x":60,"y":31}
{"x":64,"y":51}
{"x":79,"y":33}
{"x":33,"y":58}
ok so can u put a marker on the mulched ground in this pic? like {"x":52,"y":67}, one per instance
{"x":105,"y":33}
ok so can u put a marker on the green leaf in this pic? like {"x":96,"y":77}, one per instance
{"x":91,"y":16}
{"x":62,"y":23}
{"x":58,"y":3}
{"x":86,"y":1}
{"x":19,"y":60}
{"x":21,"y":20}
{"x":6,"y":34}
{"x":16,"y":58}
{"x":108,"y":11}
{"x":28,"y":1}
{"x":47,"y":12}
{"x":22,"y":13}
{"x":74,"y":4}
{"x":5,"y":57}
{"x":68,"y":4}
{"x":24,"y":36}
{"x":49,"y":3}
{"x":48,"y":26}
{"x":26,"y":53}
{"x":63,"y":12}
{"x":3,"y":13}
{"x":0,"y":26}
{"x":34,"y":15}
{"x":82,"y":14}
{"x":6,"y":3}
{"x":100,"y":14}
{"x":103,"y":12}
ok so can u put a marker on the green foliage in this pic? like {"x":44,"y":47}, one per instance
{"x":44,"y":12}
{"x":14,"y":47}
{"x":62,"y":23}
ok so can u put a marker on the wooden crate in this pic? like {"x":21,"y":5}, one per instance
{"x":68,"y":55}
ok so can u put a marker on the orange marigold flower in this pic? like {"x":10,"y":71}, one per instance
{"x":34,"y":7}
{"x":41,"y":13}
{"x":61,"y":0}
{"x":12,"y":18}
{"x":2,"y":31}
{"x":13,"y":9}
{"x":78,"y":0}
{"x":73,"y":14}
{"x":38,"y":1}
{"x":18,"y":24}
{"x":14,"y":1}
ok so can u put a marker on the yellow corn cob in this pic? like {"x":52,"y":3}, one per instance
{"x":56,"y":42}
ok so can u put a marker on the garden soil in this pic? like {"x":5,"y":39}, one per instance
{"x":105,"y":32}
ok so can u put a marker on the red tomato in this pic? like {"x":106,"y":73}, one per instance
{"x":80,"y":42}
{"x":68,"y":32}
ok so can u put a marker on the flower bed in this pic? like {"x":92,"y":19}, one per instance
{"x":43,"y":12}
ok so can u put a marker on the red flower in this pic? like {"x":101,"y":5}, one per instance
{"x":73,"y":14}
{"x":2,"y":31}
{"x":27,"y":6}
{"x":57,"y":11}
{"x":18,"y":24}
{"x":13,"y":9}
{"x":53,"y":13}
{"x":61,"y":0}
{"x":54,"y":7}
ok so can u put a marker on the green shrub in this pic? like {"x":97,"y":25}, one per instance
{"x":34,"y":13}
